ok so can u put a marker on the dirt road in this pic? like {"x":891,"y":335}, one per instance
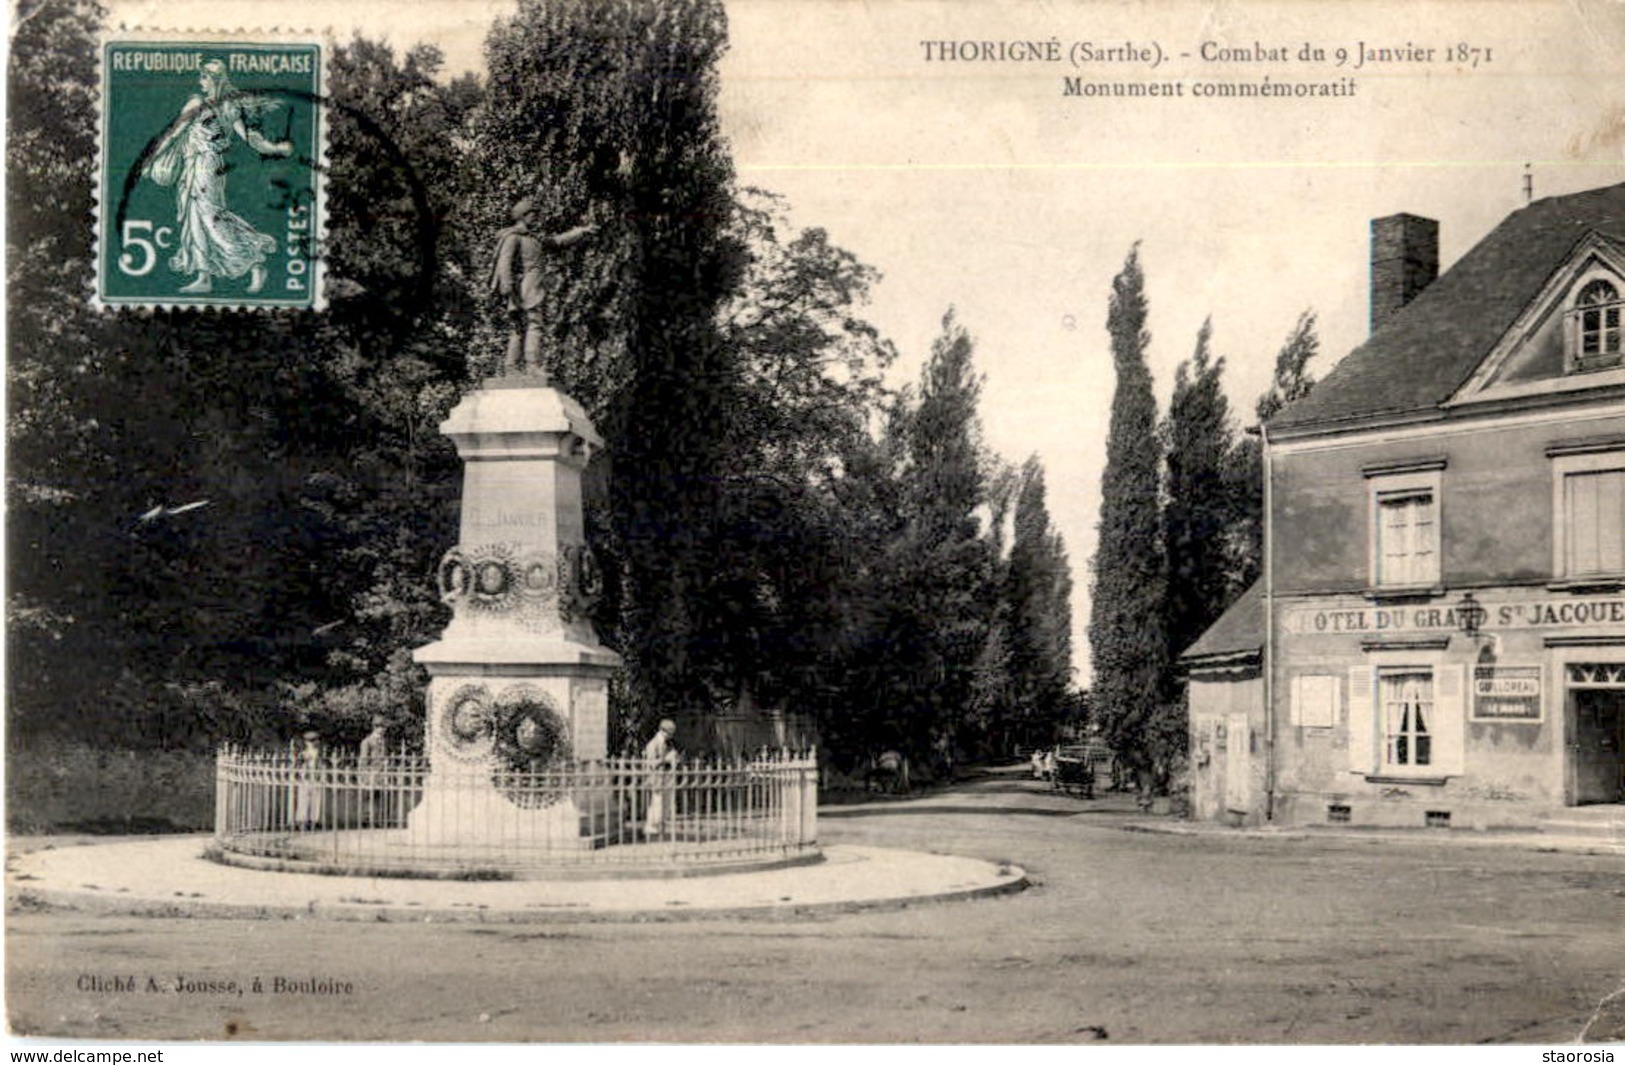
{"x":1126,"y":937}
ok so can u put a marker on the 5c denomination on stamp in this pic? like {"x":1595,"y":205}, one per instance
{"x":210,"y":177}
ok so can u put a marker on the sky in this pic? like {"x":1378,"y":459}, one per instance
{"x":977,"y":183}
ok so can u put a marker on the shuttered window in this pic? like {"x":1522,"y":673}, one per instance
{"x":1407,"y":721}
{"x":1594,"y":522}
{"x":1408,"y":538}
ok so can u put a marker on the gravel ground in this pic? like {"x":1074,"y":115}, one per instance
{"x":1125,"y":937}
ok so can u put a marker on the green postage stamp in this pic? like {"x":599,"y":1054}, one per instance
{"x":211,"y":153}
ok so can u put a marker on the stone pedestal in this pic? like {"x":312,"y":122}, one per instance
{"x":518,"y":681}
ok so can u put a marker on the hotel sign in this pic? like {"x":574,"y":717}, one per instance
{"x":1506,"y":693}
{"x":1565,"y":613}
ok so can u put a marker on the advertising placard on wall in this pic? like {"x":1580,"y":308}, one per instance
{"x":1506,"y":693}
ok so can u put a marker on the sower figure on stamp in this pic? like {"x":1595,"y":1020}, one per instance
{"x":191,"y":156}
{"x":517,"y":278}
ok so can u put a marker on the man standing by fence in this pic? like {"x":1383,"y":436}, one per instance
{"x":308,"y":781}
{"x":660,"y":763}
{"x":371,"y":759}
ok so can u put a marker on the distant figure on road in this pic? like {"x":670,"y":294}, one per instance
{"x":660,"y":758}
{"x":890,"y":773}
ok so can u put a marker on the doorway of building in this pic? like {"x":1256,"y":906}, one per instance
{"x":1597,"y":745}
{"x":1237,"y":764}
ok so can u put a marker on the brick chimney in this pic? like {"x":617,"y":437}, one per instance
{"x":1404,"y":261}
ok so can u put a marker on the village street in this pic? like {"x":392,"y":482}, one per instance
{"x":1129,"y":937}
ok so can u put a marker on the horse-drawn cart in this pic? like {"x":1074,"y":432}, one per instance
{"x":1075,"y":771}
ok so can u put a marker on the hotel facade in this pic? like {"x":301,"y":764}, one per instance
{"x":1438,"y":637}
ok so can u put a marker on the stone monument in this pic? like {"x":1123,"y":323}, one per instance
{"x":519,"y":683}
{"x":516,"y":778}
{"x":518,"y":680}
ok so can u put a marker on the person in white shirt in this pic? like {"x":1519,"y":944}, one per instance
{"x":660,"y":758}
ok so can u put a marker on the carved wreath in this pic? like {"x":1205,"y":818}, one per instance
{"x":497,"y":579}
{"x":529,"y":737}
{"x":465,"y":725}
{"x":581,"y":582}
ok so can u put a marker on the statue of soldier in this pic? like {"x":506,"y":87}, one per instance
{"x":517,"y":278}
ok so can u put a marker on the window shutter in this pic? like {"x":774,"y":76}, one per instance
{"x":1362,"y":750}
{"x":1449,"y":720}
{"x":1314,"y":700}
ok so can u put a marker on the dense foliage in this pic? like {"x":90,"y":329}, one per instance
{"x":224,"y":525}
{"x":1180,"y":527}
{"x":1127,"y":626}
{"x":1198,"y":439}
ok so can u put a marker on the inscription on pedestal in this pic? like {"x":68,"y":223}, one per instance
{"x":589,"y":709}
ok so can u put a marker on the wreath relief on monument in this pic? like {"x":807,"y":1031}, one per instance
{"x":580,"y":580}
{"x":529,"y":736}
{"x":465,"y":723}
{"x":498,"y":578}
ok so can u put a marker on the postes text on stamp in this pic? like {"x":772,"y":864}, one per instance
{"x":211,"y":173}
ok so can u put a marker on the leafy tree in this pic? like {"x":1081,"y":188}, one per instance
{"x":1244,"y":470}
{"x":395,"y":343}
{"x":812,"y":367}
{"x":220,"y":485}
{"x":1127,"y":636}
{"x":155,"y":456}
{"x":995,"y":701}
{"x":776,"y":525}
{"x":941,"y":564}
{"x":860,"y":681}
{"x":55,"y":359}
{"x":810,"y":377}
{"x":606,"y":110}
{"x":1198,"y":438}
{"x":1292,"y":380}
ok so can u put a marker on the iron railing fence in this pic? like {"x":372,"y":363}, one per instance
{"x":399,"y":815}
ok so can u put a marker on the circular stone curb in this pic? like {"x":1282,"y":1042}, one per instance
{"x":172,"y":878}
{"x":563,"y":871}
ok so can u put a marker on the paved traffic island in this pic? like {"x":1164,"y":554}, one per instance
{"x":172,"y":877}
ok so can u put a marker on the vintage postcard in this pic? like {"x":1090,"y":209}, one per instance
{"x":815,"y":522}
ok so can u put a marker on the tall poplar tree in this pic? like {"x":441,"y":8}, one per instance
{"x":1199,"y":438}
{"x":1127,"y":636}
{"x":1244,"y":472}
{"x":941,"y":565}
{"x":606,"y":111}
{"x":1038,"y":591}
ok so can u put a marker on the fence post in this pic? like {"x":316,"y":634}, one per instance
{"x":221,"y":794}
{"x":809,"y":801}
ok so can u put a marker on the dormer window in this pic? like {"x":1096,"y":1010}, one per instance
{"x":1598,"y":340}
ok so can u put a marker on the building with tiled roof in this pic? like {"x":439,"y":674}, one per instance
{"x":1439,"y":634}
